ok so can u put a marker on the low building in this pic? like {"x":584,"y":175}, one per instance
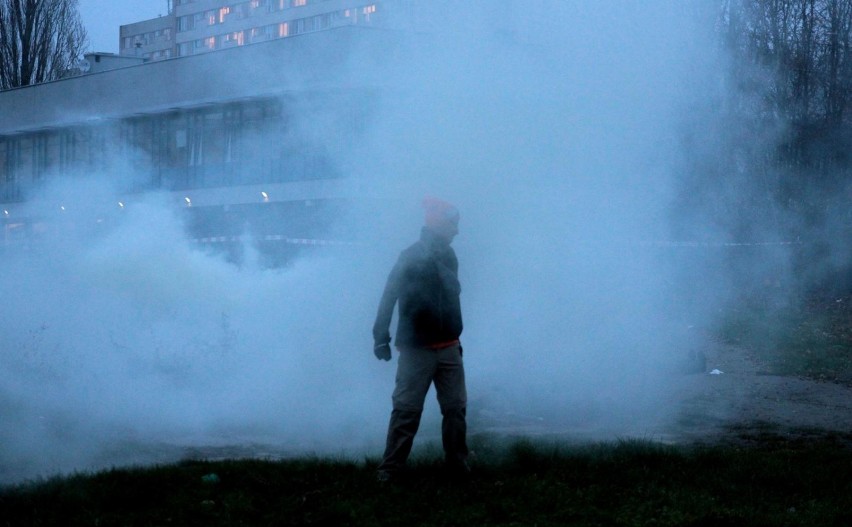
{"x":221,"y":132}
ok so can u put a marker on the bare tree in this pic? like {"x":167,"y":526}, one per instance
{"x":835,"y":59}
{"x":780,"y":142}
{"x":40,"y":40}
{"x":798,"y":56}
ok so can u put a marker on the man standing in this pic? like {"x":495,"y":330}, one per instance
{"x":425,"y":283}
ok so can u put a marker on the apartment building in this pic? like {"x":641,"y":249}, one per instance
{"x":152,"y":39}
{"x":202,"y":26}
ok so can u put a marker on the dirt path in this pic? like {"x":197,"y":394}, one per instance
{"x":740,"y":404}
{"x":744,"y":400}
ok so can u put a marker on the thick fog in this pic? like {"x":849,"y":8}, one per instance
{"x":555,"y":131}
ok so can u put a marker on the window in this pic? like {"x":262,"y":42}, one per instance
{"x":67,"y":149}
{"x":25,"y":159}
{"x":185,"y":23}
{"x":323,"y":21}
{"x":367,"y":11}
{"x":284,"y":29}
{"x":259,"y":34}
{"x":5,"y":173}
{"x":39,"y":143}
{"x":198,"y":45}
{"x":300,"y":3}
{"x":161,"y":54}
{"x":237,"y":38}
{"x":214,"y":138}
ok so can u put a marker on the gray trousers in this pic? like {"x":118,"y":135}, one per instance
{"x":417,"y":369}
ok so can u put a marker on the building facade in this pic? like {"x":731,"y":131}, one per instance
{"x":202,"y":26}
{"x":222,"y":133}
{"x":152,"y":39}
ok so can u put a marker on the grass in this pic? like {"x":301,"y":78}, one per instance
{"x":629,"y":483}
{"x":761,"y":479}
{"x":812,"y":339}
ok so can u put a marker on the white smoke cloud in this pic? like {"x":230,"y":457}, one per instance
{"x":558,"y":144}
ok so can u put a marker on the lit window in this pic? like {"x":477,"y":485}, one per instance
{"x":210,"y":42}
{"x":223,"y":12}
{"x":237,"y":38}
{"x":299,"y":3}
{"x":368,"y":10}
{"x":283,"y":29}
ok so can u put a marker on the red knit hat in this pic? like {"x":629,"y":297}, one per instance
{"x":439,"y":212}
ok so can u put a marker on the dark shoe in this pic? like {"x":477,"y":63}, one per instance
{"x":383,"y":476}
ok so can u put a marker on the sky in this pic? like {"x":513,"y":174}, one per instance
{"x":102,"y":19}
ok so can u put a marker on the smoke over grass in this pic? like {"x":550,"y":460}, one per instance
{"x":556,"y":136}
{"x":135,"y":336}
{"x":560,"y":146}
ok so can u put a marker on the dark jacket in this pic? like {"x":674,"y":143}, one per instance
{"x":425,"y":282}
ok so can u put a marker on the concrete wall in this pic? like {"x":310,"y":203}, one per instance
{"x":314,"y":61}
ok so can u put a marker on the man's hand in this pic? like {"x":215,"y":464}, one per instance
{"x":382,"y":351}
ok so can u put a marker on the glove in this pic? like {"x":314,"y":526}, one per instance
{"x":382,"y":351}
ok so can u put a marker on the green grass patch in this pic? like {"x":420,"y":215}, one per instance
{"x":630,"y":483}
{"x":812,"y":339}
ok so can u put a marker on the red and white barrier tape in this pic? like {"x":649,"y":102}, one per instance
{"x":716,"y":244}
